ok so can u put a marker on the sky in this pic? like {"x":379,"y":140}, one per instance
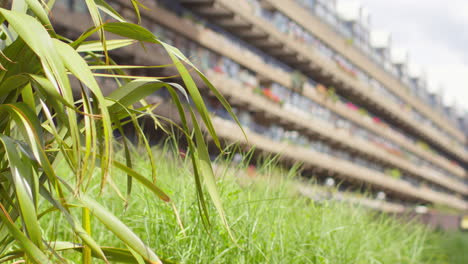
{"x":435,"y":33}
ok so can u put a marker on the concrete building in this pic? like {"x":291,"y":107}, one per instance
{"x":311,"y":81}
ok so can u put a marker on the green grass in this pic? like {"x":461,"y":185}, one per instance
{"x":272,"y":224}
{"x":454,"y":246}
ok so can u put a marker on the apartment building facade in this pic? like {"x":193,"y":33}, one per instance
{"x":311,"y":81}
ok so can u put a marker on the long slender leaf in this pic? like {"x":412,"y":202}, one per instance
{"x":119,"y":229}
{"x":19,"y":172}
{"x":29,"y":247}
{"x":93,"y":46}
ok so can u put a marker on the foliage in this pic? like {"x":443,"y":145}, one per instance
{"x":45,"y":127}
{"x":331,"y":92}
{"x":454,"y":246}
{"x":297,"y":81}
{"x":394,"y":173}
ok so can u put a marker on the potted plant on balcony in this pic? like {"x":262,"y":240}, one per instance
{"x":297,"y":81}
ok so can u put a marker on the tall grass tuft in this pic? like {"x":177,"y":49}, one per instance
{"x":44,"y":128}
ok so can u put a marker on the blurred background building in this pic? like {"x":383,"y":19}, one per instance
{"x":311,"y":80}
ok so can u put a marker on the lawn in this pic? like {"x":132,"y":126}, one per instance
{"x":271,"y":222}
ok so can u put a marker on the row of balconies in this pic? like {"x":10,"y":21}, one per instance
{"x":297,"y":13}
{"x":353,"y":27}
{"x":287,"y":26}
{"x":310,"y":125}
{"x":348,"y":170}
{"x":265,"y":36}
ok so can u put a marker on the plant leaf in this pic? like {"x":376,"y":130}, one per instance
{"x":120,"y":229}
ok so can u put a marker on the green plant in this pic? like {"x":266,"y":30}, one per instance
{"x":363,"y":111}
{"x":349,"y":41}
{"x":43,"y":128}
{"x":453,"y":246}
{"x":394,"y":173}
{"x":331,"y":93}
{"x":297,"y":81}
{"x":423,"y":145}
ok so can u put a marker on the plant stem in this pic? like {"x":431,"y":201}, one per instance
{"x":86,"y":221}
